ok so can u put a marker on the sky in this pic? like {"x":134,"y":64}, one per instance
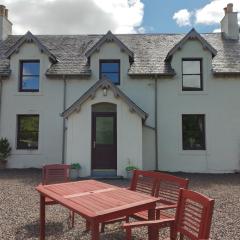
{"x":119,"y":16}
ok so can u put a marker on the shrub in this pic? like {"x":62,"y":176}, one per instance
{"x":5,"y":149}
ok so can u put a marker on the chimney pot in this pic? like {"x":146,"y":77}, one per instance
{"x":2,"y":10}
{"x":225,"y":10}
{"x":230,"y":8}
{"x":6,"y":13}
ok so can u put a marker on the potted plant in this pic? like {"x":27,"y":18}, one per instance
{"x":5,"y":151}
{"x":75,"y":170}
{"x":129,"y":169}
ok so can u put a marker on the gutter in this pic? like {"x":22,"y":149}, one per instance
{"x":64,"y":120}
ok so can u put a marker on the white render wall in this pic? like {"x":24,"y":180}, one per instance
{"x":129,"y":135}
{"x":219,"y":102}
{"x":48,"y":103}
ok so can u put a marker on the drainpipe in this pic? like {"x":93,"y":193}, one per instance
{"x":156,"y":123}
{"x":0,"y":103}
{"x":64,"y":121}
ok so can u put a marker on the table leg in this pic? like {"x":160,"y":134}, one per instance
{"x":42,"y":217}
{"x":152,"y":231}
{"x":95,"y":231}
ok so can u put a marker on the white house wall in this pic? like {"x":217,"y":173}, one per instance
{"x":129,"y":135}
{"x":48,"y":103}
{"x":219,"y":102}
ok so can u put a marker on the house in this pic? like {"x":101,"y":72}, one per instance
{"x":157,"y":101}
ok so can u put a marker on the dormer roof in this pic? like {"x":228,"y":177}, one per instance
{"x":29,"y":37}
{"x":192,"y":35}
{"x":109,"y":37}
{"x":104,"y":84}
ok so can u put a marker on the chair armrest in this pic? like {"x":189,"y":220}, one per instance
{"x":166,"y":206}
{"x":148,"y":223}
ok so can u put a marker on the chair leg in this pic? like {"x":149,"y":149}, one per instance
{"x":173,"y":235}
{"x":128,"y":234}
{"x":71,"y":219}
{"x":87,"y":226}
{"x":102,"y":227}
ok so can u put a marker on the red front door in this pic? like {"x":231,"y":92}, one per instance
{"x":104,"y":140}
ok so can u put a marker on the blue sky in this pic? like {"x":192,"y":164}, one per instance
{"x":119,"y":16}
{"x":158,"y":15}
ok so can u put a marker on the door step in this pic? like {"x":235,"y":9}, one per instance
{"x":104,"y":173}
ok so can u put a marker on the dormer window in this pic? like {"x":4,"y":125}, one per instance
{"x":110,"y":69}
{"x":29,"y":76}
{"x":192,"y":75}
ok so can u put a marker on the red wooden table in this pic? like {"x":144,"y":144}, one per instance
{"x":96,"y":202}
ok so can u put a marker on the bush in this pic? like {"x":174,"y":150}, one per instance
{"x":5,"y":149}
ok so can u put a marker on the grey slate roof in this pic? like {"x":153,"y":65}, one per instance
{"x":150,"y":51}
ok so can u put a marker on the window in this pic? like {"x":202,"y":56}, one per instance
{"x":29,"y":76}
{"x":192,"y":75}
{"x":193,"y":132}
{"x":110,"y":69}
{"x":27,"y":131}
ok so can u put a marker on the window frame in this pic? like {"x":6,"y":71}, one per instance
{"x":21,"y":89}
{"x":110,"y":61}
{"x":187,"y":89}
{"x":18,"y":147}
{"x":203,"y":140}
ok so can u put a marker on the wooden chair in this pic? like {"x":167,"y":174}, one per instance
{"x":142,"y":181}
{"x":56,"y":173}
{"x":167,"y":190}
{"x":192,"y":220}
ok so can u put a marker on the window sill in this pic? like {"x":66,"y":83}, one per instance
{"x":26,"y":152}
{"x":193,"y":93}
{"x":28,"y":94}
{"x":194,"y":152}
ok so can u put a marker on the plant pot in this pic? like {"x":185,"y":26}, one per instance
{"x":3,"y":164}
{"x":129,"y":174}
{"x":74,"y":173}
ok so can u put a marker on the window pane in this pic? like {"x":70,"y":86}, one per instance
{"x":30,"y":83}
{"x":193,"y":131}
{"x":192,"y":81}
{"x":30,"y":68}
{"x":28,"y":127}
{"x":104,"y":130}
{"x":110,"y":67}
{"x":114,"y":77}
{"x":191,"y":67}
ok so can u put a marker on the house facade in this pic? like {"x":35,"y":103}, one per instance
{"x":157,"y":101}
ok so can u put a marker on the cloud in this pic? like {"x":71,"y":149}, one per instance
{"x":75,"y":16}
{"x":212,"y":13}
{"x":217,"y":30}
{"x":182,"y":17}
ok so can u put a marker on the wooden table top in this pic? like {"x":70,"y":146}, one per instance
{"x":94,"y":199}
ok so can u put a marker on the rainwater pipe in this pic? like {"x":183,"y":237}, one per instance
{"x":64,"y":120}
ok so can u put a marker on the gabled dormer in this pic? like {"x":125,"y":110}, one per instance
{"x":30,"y":38}
{"x":110,"y":37}
{"x":192,"y":35}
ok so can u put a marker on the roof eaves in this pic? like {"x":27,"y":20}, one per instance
{"x":193,"y":34}
{"x":29,"y":37}
{"x":109,"y":37}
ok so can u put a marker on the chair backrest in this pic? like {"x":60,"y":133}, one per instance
{"x":144,"y":182}
{"x":55,"y":173}
{"x":169,"y":188}
{"x":194,"y":215}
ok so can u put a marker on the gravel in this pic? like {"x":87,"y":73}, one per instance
{"x":19,"y":208}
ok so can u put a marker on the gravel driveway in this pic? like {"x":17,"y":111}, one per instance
{"x":19,"y":208}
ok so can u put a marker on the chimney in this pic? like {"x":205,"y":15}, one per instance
{"x":5,"y":24}
{"x":229,"y":23}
